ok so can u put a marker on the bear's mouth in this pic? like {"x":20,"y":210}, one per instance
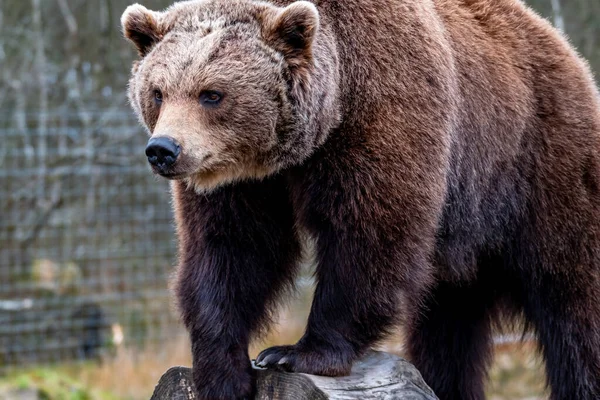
{"x":183,"y":167}
{"x":170,"y":175}
{"x":167,"y":174}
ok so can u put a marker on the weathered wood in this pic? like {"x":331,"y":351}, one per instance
{"x":376,"y":376}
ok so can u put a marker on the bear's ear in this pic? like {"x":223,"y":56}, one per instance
{"x":141,"y":26}
{"x":291,"y":31}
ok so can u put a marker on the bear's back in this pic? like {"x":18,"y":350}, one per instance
{"x":520,"y":105}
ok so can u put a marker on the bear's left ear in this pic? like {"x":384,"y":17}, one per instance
{"x":291,"y":31}
{"x":141,"y":26}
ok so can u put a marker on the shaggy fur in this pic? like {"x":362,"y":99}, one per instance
{"x":445,"y":155}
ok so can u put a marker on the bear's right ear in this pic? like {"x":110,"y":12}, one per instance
{"x":141,"y":26}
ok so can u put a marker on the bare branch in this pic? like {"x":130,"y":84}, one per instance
{"x":559,"y":21}
{"x":40,"y":66}
{"x":68,"y":16}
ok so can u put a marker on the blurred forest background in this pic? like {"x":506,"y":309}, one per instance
{"x":86,"y":236}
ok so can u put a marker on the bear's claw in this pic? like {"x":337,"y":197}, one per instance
{"x":305,"y":360}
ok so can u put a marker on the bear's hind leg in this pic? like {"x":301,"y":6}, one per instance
{"x":451,"y":342}
{"x":559,"y":265}
{"x":565,"y":312}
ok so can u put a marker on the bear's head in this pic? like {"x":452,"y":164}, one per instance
{"x":231,"y":89}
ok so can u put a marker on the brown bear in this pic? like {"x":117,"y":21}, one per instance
{"x":443,"y":154}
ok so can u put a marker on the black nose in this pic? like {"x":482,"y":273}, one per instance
{"x":162,"y":151}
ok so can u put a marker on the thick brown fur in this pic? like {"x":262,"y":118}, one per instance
{"x":445,"y":155}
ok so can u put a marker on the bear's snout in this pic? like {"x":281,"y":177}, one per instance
{"x":162,"y":152}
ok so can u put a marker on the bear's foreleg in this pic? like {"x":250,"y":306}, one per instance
{"x":370,"y":253}
{"x":238,"y":251}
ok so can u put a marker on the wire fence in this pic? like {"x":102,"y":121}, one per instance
{"x":87,"y":240}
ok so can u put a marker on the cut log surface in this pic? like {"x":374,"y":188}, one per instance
{"x":376,"y":376}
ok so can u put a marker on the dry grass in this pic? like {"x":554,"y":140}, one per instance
{"x":133,"y":373}
{"x":517,"y":373}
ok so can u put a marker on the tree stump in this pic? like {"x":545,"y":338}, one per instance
{"x":376,"y":376}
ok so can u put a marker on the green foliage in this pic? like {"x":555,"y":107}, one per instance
{"x":49,"y":384}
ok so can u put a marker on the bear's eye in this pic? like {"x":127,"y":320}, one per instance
{"x":158,"y":97}
{"x":210,"y":98}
